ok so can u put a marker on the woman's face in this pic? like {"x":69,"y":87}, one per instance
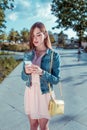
{"x":38,"y":37}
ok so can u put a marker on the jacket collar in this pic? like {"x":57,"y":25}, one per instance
{"x":48,"y":51}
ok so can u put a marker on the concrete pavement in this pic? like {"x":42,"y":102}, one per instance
{"x":74,"y":83}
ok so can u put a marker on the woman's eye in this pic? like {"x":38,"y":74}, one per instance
{"x":39,"y":35}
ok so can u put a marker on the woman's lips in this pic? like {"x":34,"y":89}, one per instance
{"x":36,"y":42}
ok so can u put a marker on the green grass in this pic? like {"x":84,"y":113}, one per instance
{"x":6,"y":66}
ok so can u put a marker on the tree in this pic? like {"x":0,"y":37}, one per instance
{"x":62,"y":38}
{"x":3,"y":37}
{"x":51,"y":37}
{"x":25,"y":35}
{"x":4,"y":4}
{"x":2,"y":19}
{"x":71,"y":15}
{"x":13,"y":36}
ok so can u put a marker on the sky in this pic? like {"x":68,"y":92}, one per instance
{"x":27,"y":12}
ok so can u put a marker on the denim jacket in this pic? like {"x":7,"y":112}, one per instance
{"x":46,"y":77}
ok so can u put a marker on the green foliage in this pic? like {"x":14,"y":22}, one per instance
{"x":69,"y":46}
{"x":51,"y":38}
{"x":25,"y":35}
{"x":4,"y":4}
{"x":3,"y":37}
{"x":6,"y":66}
{"x":62,"y":38}
{"x":13,"y":36}
{"x":15,"y":47}
{"x":71,"y":15}
{"x":2,"y":19}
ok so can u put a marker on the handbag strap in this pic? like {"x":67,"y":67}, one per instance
{"x":60,"y":86}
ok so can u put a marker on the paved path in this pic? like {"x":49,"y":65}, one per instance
{"x":74,"y":82}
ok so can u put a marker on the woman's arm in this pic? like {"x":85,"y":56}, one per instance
{"x":54,"y":76}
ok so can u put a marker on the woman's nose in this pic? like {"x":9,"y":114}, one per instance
{"x":35,"y":37}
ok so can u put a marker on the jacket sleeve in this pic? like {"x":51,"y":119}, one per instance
{"x":54,"y":76}
{"x":24,"y":76}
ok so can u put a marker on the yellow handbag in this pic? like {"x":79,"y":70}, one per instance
{"x":55,"y":106}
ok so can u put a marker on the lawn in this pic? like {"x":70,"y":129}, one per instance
{"x":6,"y":66}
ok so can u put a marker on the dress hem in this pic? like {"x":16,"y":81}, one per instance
{"x":38,"y":117}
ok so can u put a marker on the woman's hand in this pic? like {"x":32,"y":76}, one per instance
{"x":33,"y":69}
{"x":36,"y":69}
{"x":28,"y":69}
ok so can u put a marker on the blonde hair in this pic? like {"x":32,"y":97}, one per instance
{"x":42,"y":28}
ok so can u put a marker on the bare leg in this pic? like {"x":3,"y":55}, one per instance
{"x":33,"y":123}
{"x":43,"y":124}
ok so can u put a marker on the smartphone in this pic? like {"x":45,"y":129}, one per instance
{"x":29,"y":63}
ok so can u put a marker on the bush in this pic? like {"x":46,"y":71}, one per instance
{"x":70,"y":46}
{"x":15,"y":47}
{"x":6,"y":66}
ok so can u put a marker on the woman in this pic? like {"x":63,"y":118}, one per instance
{"x":37,"y":76}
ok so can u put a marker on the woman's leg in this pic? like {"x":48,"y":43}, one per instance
{"x":43,"y":124}
{"x":33,"y":123}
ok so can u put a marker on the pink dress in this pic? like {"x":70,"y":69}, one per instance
{"x":36,"y":103}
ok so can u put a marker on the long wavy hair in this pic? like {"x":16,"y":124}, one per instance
{"x":42,"y":28}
